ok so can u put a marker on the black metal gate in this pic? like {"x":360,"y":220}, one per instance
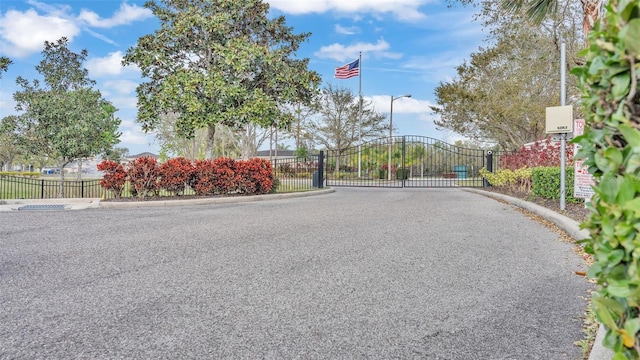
{"x":405,"y":161}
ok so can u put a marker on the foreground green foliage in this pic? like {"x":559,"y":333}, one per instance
{"x":611,"y":148}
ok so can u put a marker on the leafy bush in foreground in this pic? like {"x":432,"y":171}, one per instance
{"x":611,"y":149}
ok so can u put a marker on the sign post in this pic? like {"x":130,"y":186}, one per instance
{"x":582,"y":180}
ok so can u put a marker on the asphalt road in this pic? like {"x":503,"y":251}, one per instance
{"x":359,"y":273}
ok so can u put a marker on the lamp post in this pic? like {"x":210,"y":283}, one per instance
{"x":391,"y":130}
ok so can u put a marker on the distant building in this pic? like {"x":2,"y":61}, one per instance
{"x":271,"y":154}
{"x":130,"y":158}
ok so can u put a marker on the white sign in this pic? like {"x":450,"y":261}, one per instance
{"x":559,"y":119}
{"x":582,"y":180}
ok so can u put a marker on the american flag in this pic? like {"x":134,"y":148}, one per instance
{"x":348,"y":70}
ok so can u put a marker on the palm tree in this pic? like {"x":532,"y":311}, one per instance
{"x":537,"y":10}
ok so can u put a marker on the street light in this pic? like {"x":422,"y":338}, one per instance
{"x":391,"y":130}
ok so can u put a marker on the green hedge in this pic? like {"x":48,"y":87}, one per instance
{"x":546,"y":183}
{"x":20,"y":173}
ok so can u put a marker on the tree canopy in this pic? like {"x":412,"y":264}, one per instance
{"x":501,"y":92}
{"x":338,"y":124}
{"x":64,"y":117}
{"x":4,"y":64}
{"x":219,"y":62}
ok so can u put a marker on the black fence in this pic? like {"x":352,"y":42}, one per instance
{"x":16,"y":187}
{"x":405,"y":161}
{"x":291,"y":174}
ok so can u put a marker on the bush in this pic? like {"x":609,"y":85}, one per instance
{"x":31,"y":174}
{"x":202,"y":179}
{"x":225,"y":180}
{"x":611,"y":149}
{"x":541,"y":153}
{"x":114,"y":177}
{"x":175,"y":175}
{"x":143,"y":175}
{"x":516,"y":180}
{"x":546,"y":183}
{"x":255,"y":176}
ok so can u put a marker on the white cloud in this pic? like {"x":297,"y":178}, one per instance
{"x":134,"y":136}
{"x":404,"y":10}
{"x":347,"y":30}
{"x":341,"y":52}
{"x":108,"y":65}
{"x":123,"y":102}
{"x":382,"y":104}
{"x":126,"y":14}
{"x":7,"y":104}
{"x":121,"y":86}
{"x":23,"y":33}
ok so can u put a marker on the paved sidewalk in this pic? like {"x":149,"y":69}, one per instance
{"x":359,"y":273}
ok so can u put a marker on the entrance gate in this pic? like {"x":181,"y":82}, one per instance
{"x":416,"y":161}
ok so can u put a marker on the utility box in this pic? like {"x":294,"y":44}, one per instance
{"x":559,"y":119}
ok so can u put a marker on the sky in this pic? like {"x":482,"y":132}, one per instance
{"x":407,"y":46}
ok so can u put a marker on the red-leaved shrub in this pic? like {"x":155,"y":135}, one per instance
{"x":202,"y":177}
{"x":175,"y":175}
{"x":255,"y":176}
{"x":114,"y":177}
{"x":541,"y":153}
{"x":143,"y":175}
{"x":224,"y":172}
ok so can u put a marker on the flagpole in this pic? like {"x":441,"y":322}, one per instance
{"x":360,"y":116}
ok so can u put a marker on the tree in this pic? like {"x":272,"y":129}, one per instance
{"x":219,"y":62}
{"x":116,"y":154}
{"x":538,"y":10}
{"x":298,"y":130}
{"x":4,"y":64}
{"x":9,"y":142}
{"x":501,"y":93}
{"x":64,"y":117}
{"x":338,"y":128}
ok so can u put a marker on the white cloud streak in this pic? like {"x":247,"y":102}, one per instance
{"x":126,"y":14}
{"x":352,"y":30}
{"x":341,"y":52}
{"x":403,"y":10}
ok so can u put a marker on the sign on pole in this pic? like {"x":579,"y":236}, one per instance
{"x":582,"y":180}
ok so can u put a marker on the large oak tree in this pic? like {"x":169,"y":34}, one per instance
{"x":219,"y":62}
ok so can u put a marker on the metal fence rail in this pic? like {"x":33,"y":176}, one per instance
{"x":405,"y":161}
{"x":292,"y":175}
{"x":16,"y":187}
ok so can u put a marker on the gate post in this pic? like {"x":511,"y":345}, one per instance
{"x":489,"y":167}
{"x":321,"y":169}
{"x":402,"y":170}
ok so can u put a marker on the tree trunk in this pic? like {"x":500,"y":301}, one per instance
{"x":61,"y":184}
{"x":211,"y":133}
{"x":592,"y":10}
{"x":79,"y":175}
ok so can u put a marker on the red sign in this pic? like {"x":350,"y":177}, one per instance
{"x":582,"y":180}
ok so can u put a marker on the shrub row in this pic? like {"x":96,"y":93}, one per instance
{"x":546,"y":183}
{"x":20,"y":173}
{"x":542,"y":181}
{"x":206,"y":177}
{"x":541,"y":153}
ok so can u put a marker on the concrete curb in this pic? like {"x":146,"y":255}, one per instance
{"x":217,"y":200}
{"x":86,"y":203}
{"x":571,"y":227}
{"x":68,"y":203}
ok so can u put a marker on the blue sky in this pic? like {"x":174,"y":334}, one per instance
{"x":408,"y":47}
